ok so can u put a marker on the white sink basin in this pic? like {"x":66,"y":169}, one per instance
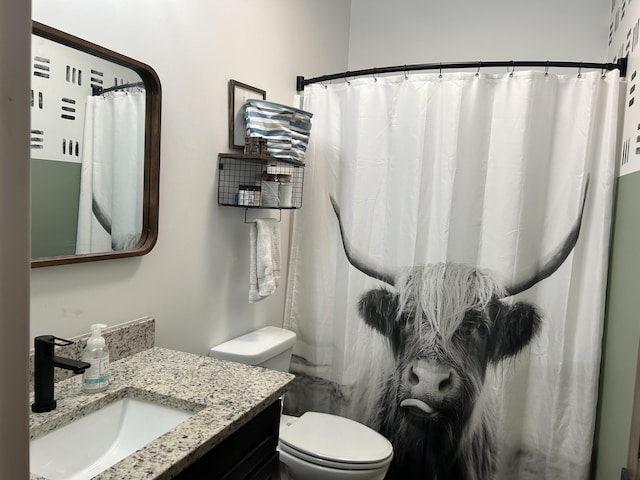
{"x":93,"y":443}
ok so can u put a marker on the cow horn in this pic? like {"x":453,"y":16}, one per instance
{"x":555,"y":259}
{"x":356,"y":258}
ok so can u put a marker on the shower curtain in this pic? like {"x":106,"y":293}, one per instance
{"x":480,"y":172}
{"x":112,"y":175}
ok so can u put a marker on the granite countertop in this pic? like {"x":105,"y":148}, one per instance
{"x":224,"y":396}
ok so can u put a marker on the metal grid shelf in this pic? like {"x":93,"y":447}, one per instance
{"x":240,"y":176}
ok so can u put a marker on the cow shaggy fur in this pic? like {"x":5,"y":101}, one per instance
{"x":449,"y":322}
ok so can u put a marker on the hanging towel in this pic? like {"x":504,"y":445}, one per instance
{"x":264,"y":269}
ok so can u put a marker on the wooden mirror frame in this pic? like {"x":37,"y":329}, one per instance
{"x":153,"y":90}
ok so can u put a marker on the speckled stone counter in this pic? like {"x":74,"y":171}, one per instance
{"x":223,"y":395}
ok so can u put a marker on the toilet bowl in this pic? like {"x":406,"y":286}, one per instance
{"x":322,"y":446}
{"x":315,"y":446}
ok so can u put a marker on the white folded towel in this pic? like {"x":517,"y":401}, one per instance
{"x":264,"y":269}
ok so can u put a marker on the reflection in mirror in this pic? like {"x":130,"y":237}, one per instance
{"x":95,"y":137}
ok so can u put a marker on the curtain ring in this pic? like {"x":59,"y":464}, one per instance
{"x":346,"y":79}
{"x":603,"y":73}
{"x":546,"y":69}
{"x":580,"y":70}
{"x":478,"y":71}
{"x":440,"y":74}
{"x":375,"y":74}
{"x":406,"y":75}
{"x":513,"y":68}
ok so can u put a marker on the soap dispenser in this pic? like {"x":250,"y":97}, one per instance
{"x":96,"y":378}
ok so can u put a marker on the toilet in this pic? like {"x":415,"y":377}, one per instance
{"x":315,"y":446}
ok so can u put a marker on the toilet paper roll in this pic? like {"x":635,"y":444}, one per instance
{"x":286,"y":190}
{"x":270,"y":194}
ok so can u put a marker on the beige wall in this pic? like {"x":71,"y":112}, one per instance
{"x":15,"y":27}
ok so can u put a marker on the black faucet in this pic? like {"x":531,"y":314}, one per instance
{"x":44,"y":363}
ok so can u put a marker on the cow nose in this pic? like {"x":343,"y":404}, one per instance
{"x":432,"y":379}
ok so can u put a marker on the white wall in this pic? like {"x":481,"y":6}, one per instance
{"x":195,"y":281}
{"x":402,"y":32}
{"x":15,"y":28}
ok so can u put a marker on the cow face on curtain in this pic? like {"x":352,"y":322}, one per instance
{"x":446,"y":324}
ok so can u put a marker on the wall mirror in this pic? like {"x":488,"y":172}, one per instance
{"x":95,"y":151}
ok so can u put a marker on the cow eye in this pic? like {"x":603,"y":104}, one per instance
{"x":473,"y":324}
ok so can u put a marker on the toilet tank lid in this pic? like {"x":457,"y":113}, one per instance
{"x":255,"y":347}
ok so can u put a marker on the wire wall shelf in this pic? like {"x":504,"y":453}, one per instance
{"x":259,"y":181}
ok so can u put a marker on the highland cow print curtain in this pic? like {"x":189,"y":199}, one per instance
{"x":459,"y":312}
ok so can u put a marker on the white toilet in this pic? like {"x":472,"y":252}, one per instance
{"x":316,"y":446}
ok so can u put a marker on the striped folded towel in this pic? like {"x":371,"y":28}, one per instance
{"x":286,"y":129}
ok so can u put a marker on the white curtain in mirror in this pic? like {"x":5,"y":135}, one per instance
{"x":112,"y":179}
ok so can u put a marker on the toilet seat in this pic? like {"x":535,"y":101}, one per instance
{"x":336,"y":442}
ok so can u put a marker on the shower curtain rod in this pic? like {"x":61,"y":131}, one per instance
{"x":100,"y":90}
{"x":621,"y":65}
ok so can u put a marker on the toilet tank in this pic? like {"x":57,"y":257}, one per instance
{"x":269,"y":347}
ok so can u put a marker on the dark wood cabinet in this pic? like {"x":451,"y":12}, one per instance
{"x":270,"y":471}
{"x":248,"y":454}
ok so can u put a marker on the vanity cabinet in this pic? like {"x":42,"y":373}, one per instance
{"x":248,"y":454}
{"x":259,"y":181}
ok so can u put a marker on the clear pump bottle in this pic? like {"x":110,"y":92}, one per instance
{"x":96,"y":378}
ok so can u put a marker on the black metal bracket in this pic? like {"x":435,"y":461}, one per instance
{"x":253,"y":221}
